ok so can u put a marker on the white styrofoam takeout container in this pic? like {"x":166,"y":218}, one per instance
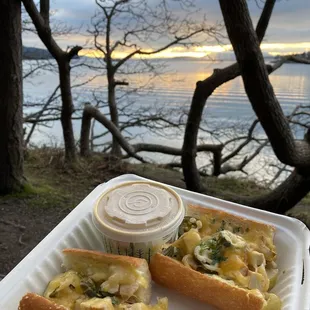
{"x":34,"y":272}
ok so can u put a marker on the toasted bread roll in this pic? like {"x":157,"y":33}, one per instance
{"x":95,"y":280}
{"x":221,"y":259}
{"x":169,"y":272}
{"x":36,"y":302}
{"x":92,"y":263}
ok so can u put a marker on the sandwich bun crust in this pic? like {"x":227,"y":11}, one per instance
{"x":194,"y":210}
{"x":171,"y":273}
{"x":36,"y":302}
{"x":82,"y":254}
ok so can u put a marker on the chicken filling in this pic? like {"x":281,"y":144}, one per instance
{"x":227,"y":255}
{"x":74,"y":290}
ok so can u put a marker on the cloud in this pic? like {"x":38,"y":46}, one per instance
{"x":74,"y":12}
{"x":289,"y":23}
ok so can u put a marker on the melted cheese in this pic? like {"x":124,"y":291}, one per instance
{"x":103,"y":272}
{"x":64,"y":289}
{"x":239,"y":258}
{"x":236,"y":241}
{"x":99,"y":276}
{"x":272,"y":275}
{"x":188,"y":241}
{"x":235,"y":267}
{"x":233,"y":263}
{"x":258,"y":237}
{"x":97,"y":304}
{"x":273,"y":302}
{"x":119,"y":276}
{"x":241,"y":263}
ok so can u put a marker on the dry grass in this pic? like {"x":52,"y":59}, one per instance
{"x":51,"y":182}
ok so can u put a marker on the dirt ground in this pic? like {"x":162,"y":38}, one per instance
{"x":22,"y":228}
{"x":53,"y":191}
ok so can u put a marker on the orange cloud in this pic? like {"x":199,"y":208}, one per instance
{"x":202,"y":51}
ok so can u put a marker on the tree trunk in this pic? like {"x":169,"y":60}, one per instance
{"x":285,"y":196}
{"x":203,"y":90}
{"x":11,"y":117}
{"x":67,"y":109}
{"x":41,"y":22}
{"x":116,"y":149}
{"x":85,"y":132}
{"x":189,"y":149}
{"x":281,"y":199}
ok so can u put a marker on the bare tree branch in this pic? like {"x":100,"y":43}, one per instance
{"x":243,"y":144}
{"x":43,"y":29}
{"x":277,"y":175}
{"x":33,"y":70}
{"x":138,"y":25}
{"x":92,"y":112}
{"x":203,"y":90}
{"x":264,"y":19}
{"x":39,"y":114}
{"x":45,"y":10}
{"x":247,"y":159}
{"x":158,"y":148}
{"x":74,"y":52}
{"x":258,"y":87}
{"x":158,"y":50}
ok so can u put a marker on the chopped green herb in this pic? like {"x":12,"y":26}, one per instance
{"x":102,"y":294}
{"x":188,"y":223}
{"x":208,"y":245}
{"x":89,"y":287}
{"x":217,"y":246}
{"x":115,"y":301}
{"x":217,"y":254}
{"x":91,"y":290}
{"x":185,"y":225}
{"x":217,"y":257}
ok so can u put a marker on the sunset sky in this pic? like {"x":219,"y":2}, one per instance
{"x":288,"y":32}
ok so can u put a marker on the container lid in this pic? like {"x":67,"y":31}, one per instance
{"x":138,"y":212}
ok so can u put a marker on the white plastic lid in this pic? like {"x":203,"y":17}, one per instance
{"x":138,"y":212}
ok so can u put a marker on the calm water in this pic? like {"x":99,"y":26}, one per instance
{"x":228,"y":108}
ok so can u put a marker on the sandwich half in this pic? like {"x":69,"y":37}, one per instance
{"x":96,"y":281}
{"x":221,"y":259}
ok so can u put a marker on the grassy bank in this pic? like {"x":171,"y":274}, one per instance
{"x":51,"y":183}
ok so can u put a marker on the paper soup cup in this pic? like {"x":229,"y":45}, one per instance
{"x":138,"y":218}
